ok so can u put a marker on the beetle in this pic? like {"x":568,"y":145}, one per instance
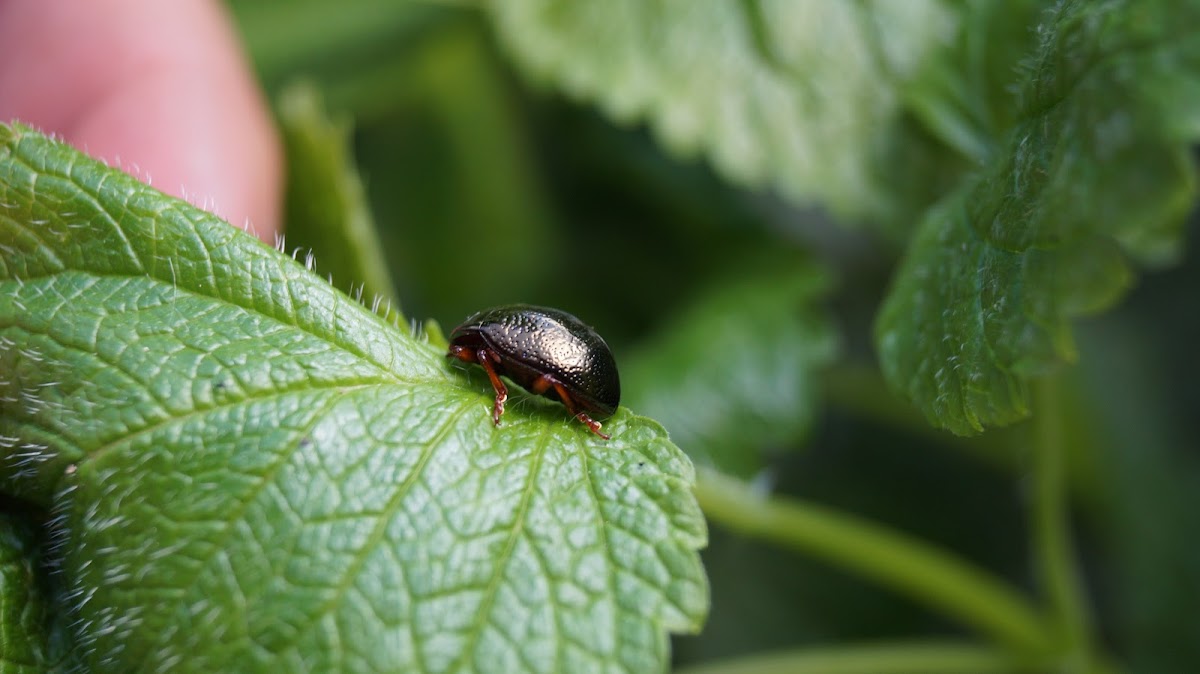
{"x":545,"y":351}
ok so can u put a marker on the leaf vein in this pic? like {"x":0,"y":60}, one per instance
{"x":383,"y":519}
{"x":503,"y":559}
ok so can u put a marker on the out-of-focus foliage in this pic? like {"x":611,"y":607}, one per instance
{"x":736,"y":373}
{"x":805,"y":96}
{"x":24,"y":609}
{"x":633,"y":238}
{"x":970,"y":178}
{"x":326,"y":206}
{"x":1096,"y":168}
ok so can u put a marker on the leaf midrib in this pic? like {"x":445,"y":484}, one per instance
{"x":391,"y":331}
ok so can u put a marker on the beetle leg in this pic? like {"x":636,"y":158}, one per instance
{"x":592,"y":424}
{"x":462,"y":353}
{"x":570,"y":403}
{"x":482,"y":358}
{"x":541,"y":385}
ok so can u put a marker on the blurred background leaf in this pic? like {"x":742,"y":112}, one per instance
{"x":34,"y":636}
{"x":805,"y":97}
{"x":1096,"y":170}
{"x":326,"y":207}
{"x":1138,"y":400}
{"x":734,"y":375}
{"x":24,"y":609}
{"x":594,"y":216}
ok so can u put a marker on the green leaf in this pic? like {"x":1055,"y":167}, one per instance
{"x":285,"y":37}
{"x":254,"y":473}
{"x":34,"y":638}
{"x":24,"y":626}
{"x":963,"y":93}
{"x":326,"y":208}
{"x":805,"y":97}
{"x":1096,"y":170}
{"x":734,"y":374}
{"x":453,"y":181}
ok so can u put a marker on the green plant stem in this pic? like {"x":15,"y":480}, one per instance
{"x":888,"y":557}
{"x":1054,"y":555}
{"x":877,"y":658}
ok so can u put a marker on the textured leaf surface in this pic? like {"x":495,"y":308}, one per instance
{"x":735,"y":374}
{"x":1096,"y":170}
{"x":804,"y":96}
{"x":253,"y":473}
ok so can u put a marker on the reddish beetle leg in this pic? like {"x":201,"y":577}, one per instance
{"x":486,"y":358}
{"x":545,"y":382}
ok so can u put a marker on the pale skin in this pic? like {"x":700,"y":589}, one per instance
{"x":161,"y":89}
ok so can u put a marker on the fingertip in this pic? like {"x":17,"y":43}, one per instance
{"x":160,"y":89}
